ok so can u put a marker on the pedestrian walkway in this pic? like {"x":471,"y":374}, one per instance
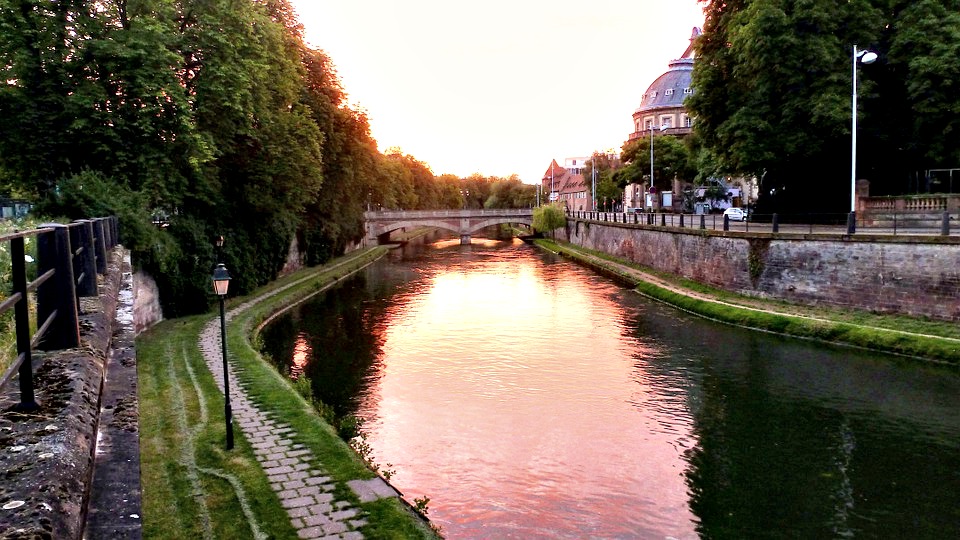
{"x":298,"y":479}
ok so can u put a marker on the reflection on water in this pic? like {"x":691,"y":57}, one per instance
{"x":528,"y":397}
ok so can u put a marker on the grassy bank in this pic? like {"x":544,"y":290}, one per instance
{"x":929,"y":340}
{"x":192,"y":487}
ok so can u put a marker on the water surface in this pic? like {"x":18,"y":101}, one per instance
{"x":531,"y":398}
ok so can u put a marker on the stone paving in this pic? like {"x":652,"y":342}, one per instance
{"x":295,"y":475}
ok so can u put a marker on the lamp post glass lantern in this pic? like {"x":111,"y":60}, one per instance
{"x":862,"y":57}
{"x":221,"y":282}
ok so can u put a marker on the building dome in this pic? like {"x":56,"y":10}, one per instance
{"x":661,"y":106}
{"x":670,"y":89}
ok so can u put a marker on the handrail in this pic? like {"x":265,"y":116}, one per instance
{"x":941,"y":223}
{"x":57,"y":293}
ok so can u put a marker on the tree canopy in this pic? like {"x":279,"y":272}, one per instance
{"x":207,"y":118}
{"x":773,"y":93}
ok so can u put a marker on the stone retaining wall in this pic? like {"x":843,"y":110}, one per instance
{"x":913,"y":275}
{"x":46,"y":457}
{"x":146,"y":302}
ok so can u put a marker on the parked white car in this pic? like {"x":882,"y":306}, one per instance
{"x":735,"y":214}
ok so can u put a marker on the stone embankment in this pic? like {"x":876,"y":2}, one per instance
{"x":47,"y":457}
{"x":916,"y":276}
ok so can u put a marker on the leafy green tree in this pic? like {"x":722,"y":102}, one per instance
{"x":510,"y":192}
{"x":672,"y":159}
{"x":923,"y":68}
{"x":350,"y":165}
{"x":548,"y":217}
{"x":609,"y":192}
{"x":449,"y":190}
{"x":476,"y":190}
{"x":772,"y":94}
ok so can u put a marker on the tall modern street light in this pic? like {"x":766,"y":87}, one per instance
{"x":662,"y":128}
{"x":221,"y":280}
{"x":863,"y":57}
{"x":593,"y":177}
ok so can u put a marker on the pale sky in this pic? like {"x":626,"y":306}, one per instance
{"x":501,"y":86}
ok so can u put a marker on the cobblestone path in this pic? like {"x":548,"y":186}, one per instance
{"x":294,"y":473}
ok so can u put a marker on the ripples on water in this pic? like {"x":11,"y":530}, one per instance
{"x":531,"y":398}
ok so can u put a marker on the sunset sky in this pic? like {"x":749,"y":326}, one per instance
{"x":499,"y":87}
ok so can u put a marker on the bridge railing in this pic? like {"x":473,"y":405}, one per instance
{"x":440,"y":214}
{"x":69,"y":257}
{"x":941,"y":224}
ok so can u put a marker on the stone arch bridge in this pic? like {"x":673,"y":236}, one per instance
{"x":379,"y":225}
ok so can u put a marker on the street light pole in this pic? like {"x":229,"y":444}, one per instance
{"x":593,"y":177}
{"x":221,"y":280}
{"x":651,"y":154}
{"x":865,"y":57}
{"x":663,"y":127}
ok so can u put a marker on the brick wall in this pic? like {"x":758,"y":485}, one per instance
{"x":912,"y":275}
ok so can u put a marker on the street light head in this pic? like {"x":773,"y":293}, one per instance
{"x":868,"y":57}
{"x":221,"y":280}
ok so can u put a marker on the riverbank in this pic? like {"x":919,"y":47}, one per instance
{"x":289,"y":475}
{"x":928,"y":340}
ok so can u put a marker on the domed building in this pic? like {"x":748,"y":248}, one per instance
{"x":662,"y":103}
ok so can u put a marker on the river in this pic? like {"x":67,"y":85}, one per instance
{"x":529,"y":397}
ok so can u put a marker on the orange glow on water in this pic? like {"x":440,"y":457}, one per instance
{"x":301,"y":355}
{"x":511,"y":396}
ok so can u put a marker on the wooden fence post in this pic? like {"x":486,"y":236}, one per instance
{"x":101,"y":245}
{"x":21,"y":316}
{"x":85,"y":258}
{"x":57,"y":295}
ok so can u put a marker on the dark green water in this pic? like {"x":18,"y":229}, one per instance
{"x":530,"y":398}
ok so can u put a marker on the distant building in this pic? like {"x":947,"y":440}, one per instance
{"x":662,"y":106}
{"x":566,"y":184}
{"x":662,"y":103}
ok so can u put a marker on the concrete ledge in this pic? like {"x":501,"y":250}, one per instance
{"x":46,"y":457}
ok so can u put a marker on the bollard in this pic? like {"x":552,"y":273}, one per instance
{"x":681,"y":220}
{"x":776,"y":223}
{"x":57,"y":296}
{"x":703,"y":221}
{"x":945,"y":224}
{"x":726,"y":222}
{"x":663,"y":220}
{"x":851,"y":223}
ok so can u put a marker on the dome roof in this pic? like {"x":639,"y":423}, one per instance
{"x":671,"y":88}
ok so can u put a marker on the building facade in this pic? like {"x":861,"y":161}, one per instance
{"x":566,"y":185}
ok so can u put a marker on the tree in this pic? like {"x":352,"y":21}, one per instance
{"x":510,"y":192}
{"x":924,"y":51}
{"x":548,"y":217}
{"x":672,"y":159}
{"x":772,"y":93}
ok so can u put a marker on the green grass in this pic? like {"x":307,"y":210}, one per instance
{"x":183,"y":463}
{"x":866,"y":330}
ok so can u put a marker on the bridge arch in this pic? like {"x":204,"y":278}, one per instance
{"x":499,"y":221}
{"x":386,"y":228}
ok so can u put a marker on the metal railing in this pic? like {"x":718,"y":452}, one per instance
{"x":943,"y":224}
{"x":436,"y":214}
{"x":69,"y":257}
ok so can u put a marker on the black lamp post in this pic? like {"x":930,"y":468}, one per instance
{"x":221,"y":280}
